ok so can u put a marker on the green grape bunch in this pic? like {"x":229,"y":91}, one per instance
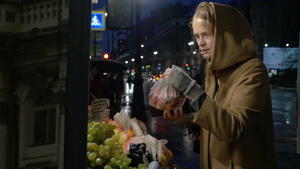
{"x":104,"y":151}
{"x":98,"y":131}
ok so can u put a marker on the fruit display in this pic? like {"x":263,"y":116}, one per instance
{"x":121,"y":136}
{"x":103,"y":151}
{"x":165,"y":97}
{"x":110,"y":146}
{"x":138,"y":148}
{"x":137,"y":154}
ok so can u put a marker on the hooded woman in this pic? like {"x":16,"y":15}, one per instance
{"x":236,"y":118}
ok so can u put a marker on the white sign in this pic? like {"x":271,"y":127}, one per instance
{"x":123,"y":119}
{"x":94,"y":1}
{"x":280,"y":58}
{"x":98,"y":108}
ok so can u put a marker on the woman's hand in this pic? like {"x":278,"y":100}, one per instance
{"x":179,"y":118}
{"x":169,"y":116}
{"x":166,"y":73}
{"x":181,"y":81}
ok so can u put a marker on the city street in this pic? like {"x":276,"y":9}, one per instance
{"x":284,"y":110}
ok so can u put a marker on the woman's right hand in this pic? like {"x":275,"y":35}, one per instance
{"x":179,"y":118}
{"x":172,"y":117}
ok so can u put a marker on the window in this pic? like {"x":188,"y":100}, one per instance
{"x":275,"y":21}
{"x":176,"y":35}
{"x":261,"y":42}
{"x":10,"y":17}
{"x":44,"y":125}
{"x":275,"y":40}
{"x":188,"y":36}
{"x":176,"y":41}
{"x":288,"y":21}
{"x":177,"y":61}
{"x":176,"y":47}
{"x":261,"y":21}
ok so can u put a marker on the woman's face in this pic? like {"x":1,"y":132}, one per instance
{"x":204,"y":37}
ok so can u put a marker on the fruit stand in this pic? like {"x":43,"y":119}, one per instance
{"x":120,"y":142}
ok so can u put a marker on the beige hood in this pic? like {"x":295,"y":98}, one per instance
{"x":233,"y":38}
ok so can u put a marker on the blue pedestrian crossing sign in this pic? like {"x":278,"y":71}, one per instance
{"x":98,"y":20}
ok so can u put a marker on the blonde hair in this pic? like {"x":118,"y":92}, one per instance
{"x":205,"y":11}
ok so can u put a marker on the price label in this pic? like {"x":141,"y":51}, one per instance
{"x":98,"y":108}
{"x":152,"y":142}
{"x":123,"y":119}
{"x":136,"y":127}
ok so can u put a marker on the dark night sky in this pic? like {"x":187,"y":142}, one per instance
{"x":148,"y":5}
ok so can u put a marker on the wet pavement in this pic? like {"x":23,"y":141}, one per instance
{"x":285,"y":123}
{"x":179,"y":142}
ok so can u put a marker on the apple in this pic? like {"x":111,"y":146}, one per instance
{"x":117,"y":133}
{"x":123,"y":137}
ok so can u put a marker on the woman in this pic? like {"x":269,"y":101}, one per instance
{"x":236,"y":117}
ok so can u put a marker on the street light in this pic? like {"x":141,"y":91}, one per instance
{"x":106,"y":56}
{"x":191,"y":43}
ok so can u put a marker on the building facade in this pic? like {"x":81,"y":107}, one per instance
{"x":33,"y":38}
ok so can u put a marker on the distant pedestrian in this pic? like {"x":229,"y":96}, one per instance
{"x":236,"y":119}
{"x":118,"y":88}
{"x":98,"y":85}
{"x":129,"y":81}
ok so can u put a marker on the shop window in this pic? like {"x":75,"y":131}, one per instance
{"x":44,"y":125}
{"x":10,"y":17}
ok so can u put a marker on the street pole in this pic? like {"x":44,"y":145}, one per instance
{"x":95,"y":46}
{"x":75,"y":130}
{"x":138,"y":105}
{"x":298,"y":101}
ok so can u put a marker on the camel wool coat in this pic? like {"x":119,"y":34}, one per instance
{"x":236,"y":119}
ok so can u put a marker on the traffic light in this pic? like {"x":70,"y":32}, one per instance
{"x":106,"y":56}
{"x":121,"y":47}
{"x":187,"y":67}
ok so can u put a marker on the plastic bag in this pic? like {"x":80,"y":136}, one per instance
{"x":135,"y":140}
{"x":166,"y":154}
{"x":163,"y":96}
